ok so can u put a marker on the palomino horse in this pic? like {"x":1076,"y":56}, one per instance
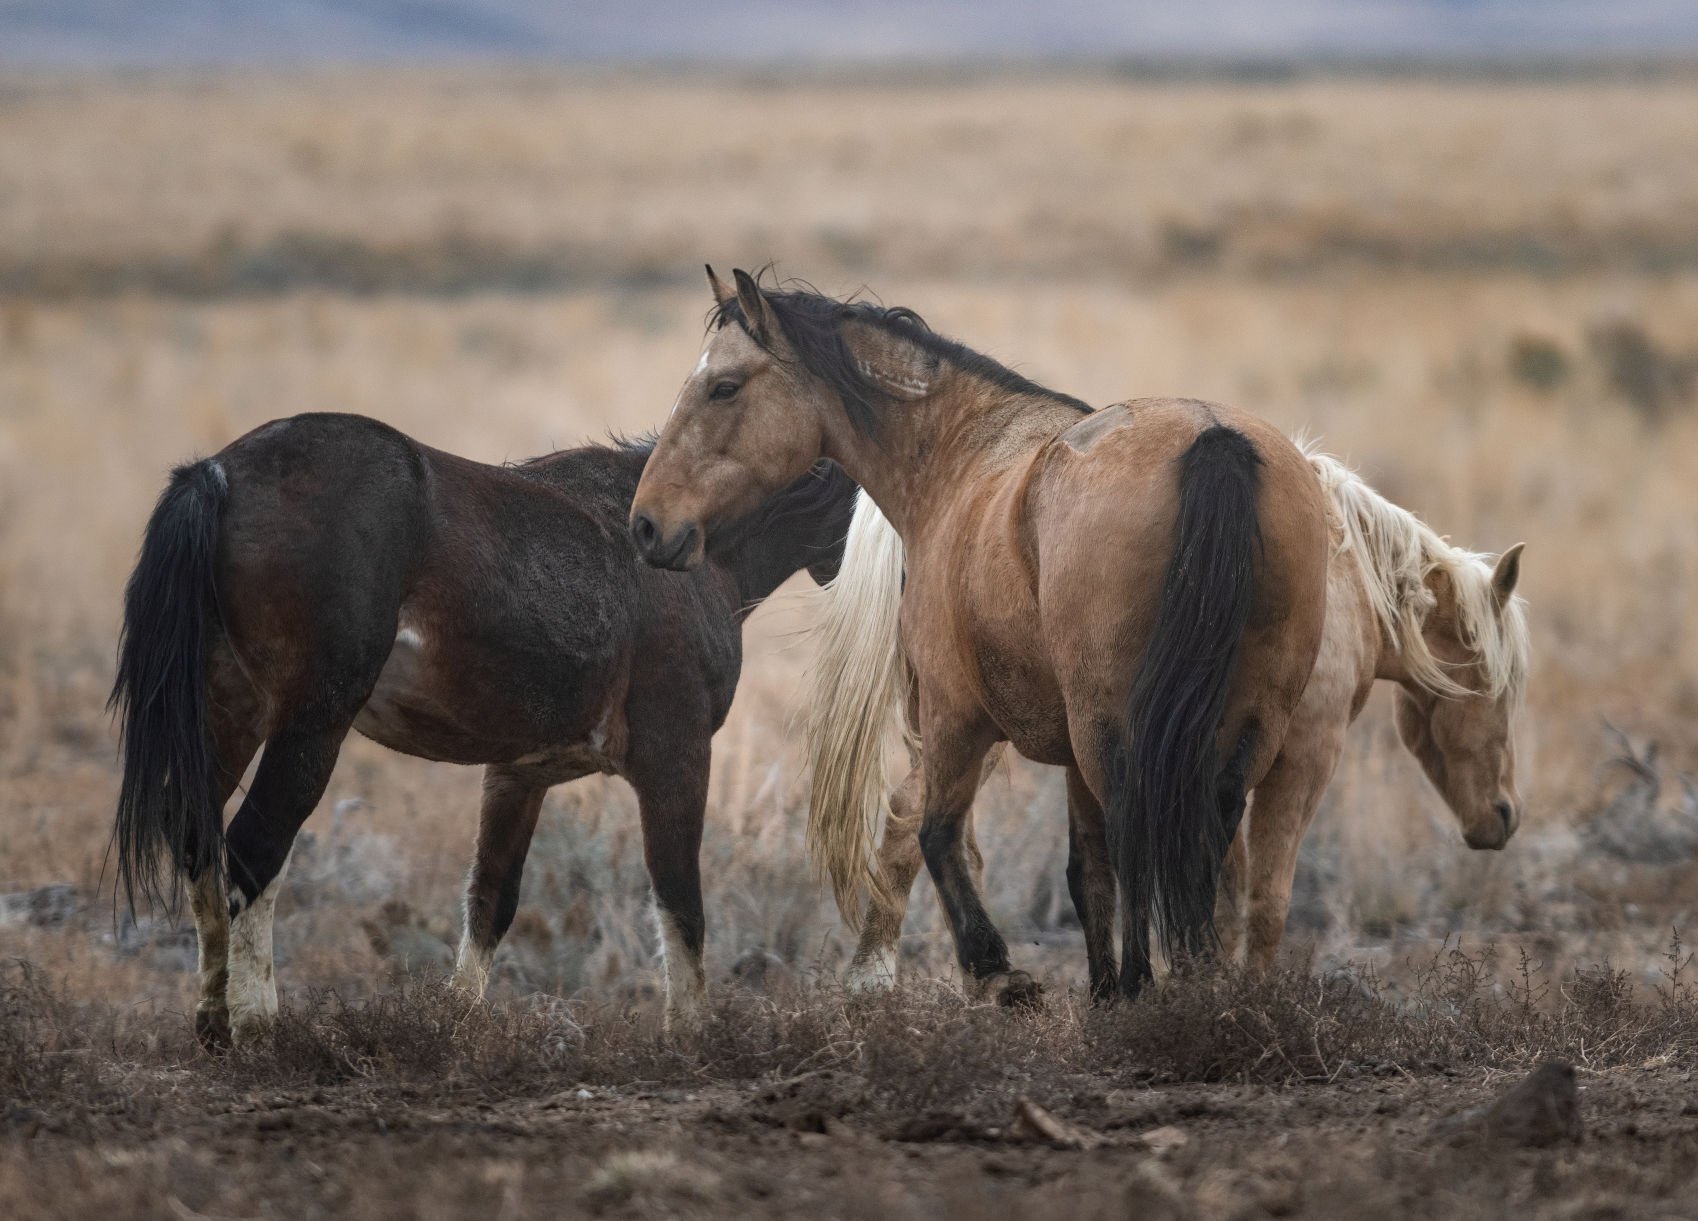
{"x":1136,"y":595}
{"x":1403,"y":605}
{"x":327,"y":573}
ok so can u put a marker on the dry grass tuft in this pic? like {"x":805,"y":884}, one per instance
{"x":418,"y":1033}
{"x":914,"y":1051}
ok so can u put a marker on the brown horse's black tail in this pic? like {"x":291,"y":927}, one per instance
{"x":165,"y":804}
{"x":1169,"y":820}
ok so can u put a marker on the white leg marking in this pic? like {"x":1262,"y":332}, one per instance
{"x":253,"y":973}
{"x":686,"y":984}
{"x":471,"y":967}
{"x":872,"y":970}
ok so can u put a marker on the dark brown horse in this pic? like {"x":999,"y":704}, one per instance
{"x":1135,"y":594}
{"x":327,"y":573}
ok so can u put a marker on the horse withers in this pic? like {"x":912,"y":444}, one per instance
{"x":327,"y":573}
{"x":1135,"y":594}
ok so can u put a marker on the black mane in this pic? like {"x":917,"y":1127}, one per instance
{"x":823,"y":489}
{"x":813,"y":326}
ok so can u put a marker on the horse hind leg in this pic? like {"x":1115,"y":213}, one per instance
{"x":236,"y":734}
{"x":292,"y":777}
{"x":1232,"y":790}
{"x":873,"y":968}
{"x":506,"y":823}
{"x":1091,"y":884}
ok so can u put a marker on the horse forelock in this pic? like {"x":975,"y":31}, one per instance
{"x":1396,"y":553}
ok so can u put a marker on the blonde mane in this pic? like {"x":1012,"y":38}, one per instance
{"x":858,"y":682}
{"x":1396,"y":552}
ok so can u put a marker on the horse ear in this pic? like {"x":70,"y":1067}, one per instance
{"x":721,"y":294}
{"x":757,"y":314}
{"x":1506,"y":574}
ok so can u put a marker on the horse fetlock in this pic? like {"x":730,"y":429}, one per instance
{"x":250,"y":1029}
{"x":873,"y":969}
{"x":686,"y":980}
{"x":686,"y":1007}
{"x":472,"y":968}
{"x":252,"y":1007}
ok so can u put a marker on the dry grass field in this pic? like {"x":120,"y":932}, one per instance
{"x":1485,"y":295}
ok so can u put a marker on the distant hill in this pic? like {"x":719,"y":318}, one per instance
{"x":175,"y":32}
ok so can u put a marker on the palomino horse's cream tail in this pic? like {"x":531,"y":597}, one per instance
{"x":859,"y":678}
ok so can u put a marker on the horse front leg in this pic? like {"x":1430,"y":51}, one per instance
{"x":671,"y":788}
{"x":873,"y":968}
{"x":506,"y":822}
{"x":1284,"y":806}
{"x":954,"y":757}
{"x":1232,"y":896}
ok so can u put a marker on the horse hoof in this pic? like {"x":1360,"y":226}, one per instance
{"x":212,"y":1030}
{"x":250,"y":1031}
{"x":868,"y":977}
{"x":1015,"y":990}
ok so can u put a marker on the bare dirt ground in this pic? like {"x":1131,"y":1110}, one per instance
{"x":1483,"y":293}
{"x":1216,"y":1098}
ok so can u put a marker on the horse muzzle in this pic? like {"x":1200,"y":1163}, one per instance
{"x":1492,"y":834}
{"x":680,"y":551}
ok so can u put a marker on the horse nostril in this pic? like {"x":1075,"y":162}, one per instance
{"x":644,"y":532}
{"x":1506,"y":814}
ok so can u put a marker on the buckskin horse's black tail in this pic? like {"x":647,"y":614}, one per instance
{"x":1166,"y":805}
{"x":165,"y":804}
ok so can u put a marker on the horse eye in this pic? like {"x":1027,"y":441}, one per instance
{"x":724,"y":390}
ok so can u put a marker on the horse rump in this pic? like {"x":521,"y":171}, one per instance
{"x":1167,"y":813}
{"x":165,"y":802}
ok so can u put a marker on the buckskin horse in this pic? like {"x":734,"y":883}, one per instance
{"x":1441,"y":623}
{"x":1135,"y":594}
{"x":327,"y":573}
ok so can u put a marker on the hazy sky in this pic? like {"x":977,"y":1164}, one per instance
{"x":176,"y":31}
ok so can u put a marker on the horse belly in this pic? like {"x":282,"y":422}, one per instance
{"x":402,"y":714}
{"x":419,"y":709}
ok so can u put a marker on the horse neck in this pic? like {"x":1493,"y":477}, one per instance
{"x":1354,"y":637}
{"x":768,"y":557}
{"x":765,"y":561}
{"x":926,"y":449}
